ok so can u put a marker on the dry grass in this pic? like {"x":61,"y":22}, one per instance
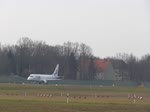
{"x":41,"y":98}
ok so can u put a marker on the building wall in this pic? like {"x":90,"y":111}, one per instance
{"x":109,"y":73}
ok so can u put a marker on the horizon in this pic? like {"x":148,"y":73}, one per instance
{"x":117,"y":55}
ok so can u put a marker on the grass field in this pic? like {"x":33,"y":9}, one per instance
{"x":53,"y":98}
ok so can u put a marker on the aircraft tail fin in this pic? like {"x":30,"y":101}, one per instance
{"x":55,"y":73}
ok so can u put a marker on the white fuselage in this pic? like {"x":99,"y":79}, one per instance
{"x":42,"y":77}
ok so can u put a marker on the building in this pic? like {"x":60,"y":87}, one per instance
{"x":105,"y":70}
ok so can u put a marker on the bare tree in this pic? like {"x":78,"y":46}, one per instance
{"x":24,"y":52}
{"x":84,"y":61}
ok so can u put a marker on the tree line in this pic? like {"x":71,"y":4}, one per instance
{"x":77,"y":61}
{"x":133,"y":68}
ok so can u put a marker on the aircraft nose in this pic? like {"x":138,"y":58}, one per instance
{"x":28,"y":78}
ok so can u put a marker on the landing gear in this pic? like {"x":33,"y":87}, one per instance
{"x":43,"y":82}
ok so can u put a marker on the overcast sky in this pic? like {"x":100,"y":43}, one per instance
{"x":107,"y":26}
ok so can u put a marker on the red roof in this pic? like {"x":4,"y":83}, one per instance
{"x":102,"y":64}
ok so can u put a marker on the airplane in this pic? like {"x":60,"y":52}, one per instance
{"x":45,"y":77}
